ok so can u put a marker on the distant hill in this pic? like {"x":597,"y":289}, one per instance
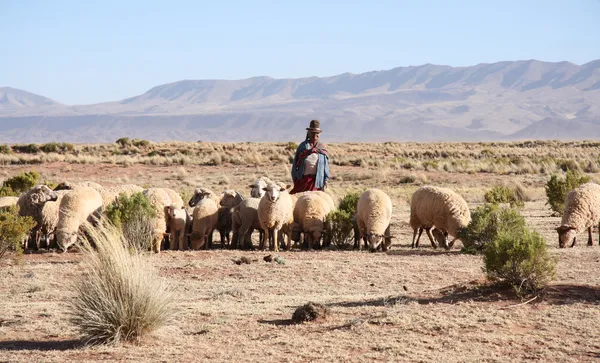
{"x":505,"y":100}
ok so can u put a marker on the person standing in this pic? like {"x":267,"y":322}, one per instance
{"x":310,"y":168}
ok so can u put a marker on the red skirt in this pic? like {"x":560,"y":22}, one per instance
{"x":307,"y":183}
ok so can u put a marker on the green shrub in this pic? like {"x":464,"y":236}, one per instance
{"x":338,"y":229}
{"x":514,"y":196}
{"x":557,"y":189}
{"x":123,"y":142}
{"x":120,"y":296}
{"x":520,"y":259}
{"x":349,"y":202}
{"x":487,"y":223}
{"x":291,"y":146}
{"x":140,"y":143}
{"x":26,"y":149}
{"x":5,"y":149}
{"x":13,"y":230}
{"x":20,"y":183}
{"x":133,"y":215}
{"x":55,"y":147}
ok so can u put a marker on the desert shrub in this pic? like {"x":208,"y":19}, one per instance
{"x":140,"y":143}
{"x":20,"y":183}
{"x":123,"y":142}
{"x":13,"y":230}
{"x":504,"y":194}
{"x":520,"y":259}
{"x":407,"y":179}
{"x":338,"y":229}
{"x":291,"y":146}
{"x":5,"y":149}
{"x":55,"y":147}
{"x":487,"y":223}
{"x":133,"y":216}
{"x":557,"y":189}
{"x":349,"y":202}
{"x":26,"y":149}
{"x":120,"y":296}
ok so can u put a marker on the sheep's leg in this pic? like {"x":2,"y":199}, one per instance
{"x":173,"y":239}
{"x":222,"y":235}
{"x":265,"y":240}
{"x":414,"y":238}
{"x":289,"y":239}
{"x":574,"y":242}
{"x":275,"y":240}
{"x":419,"y":237}
{"x":428,"y":230}
{"x":590,"y":238}
{"x":452,"y":243}
{"x":156,"y":243}
{"x":210,"y":240}
{"x":181,"y":240}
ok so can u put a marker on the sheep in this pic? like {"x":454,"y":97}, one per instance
{"x":176,"y":199}
{"x":309,"y":215}
{"x":245,"y":221}
{"x":177,"y":222}
{"x":111,"y":194}
{"x":356,"y":230}
{"x":374,"y":210}
{"x":230,"y":198}
{"x":224,"y":224}
{"x":274,"y":211}
{"x":441,"y":208}
{"x":7,"y":202}
{"x":257,"y":188}
{"x":49,"y":220}
{"x":201,"y":193}
{"x":159,"y":199}
{"x":70,"y":186}
{"x":205,"y":220}
{"x":76,"y":207}
{"x":31,"y":204}
{"x":582,"y":211}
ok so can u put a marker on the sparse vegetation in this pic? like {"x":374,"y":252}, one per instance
{"x":557,"y":189}
{"x":513,"y":195}
{"x":13,"y":230}
{"x":19,"y":183}
{"x":119,"y":297}
{"x":338,"y":223}
{"x":132,"y":215}
{"x":55,"y":147}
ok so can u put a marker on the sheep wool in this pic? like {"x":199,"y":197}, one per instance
{"x":76,"y":207}
{"x":582,"y":211}
{"x":374,"y":213}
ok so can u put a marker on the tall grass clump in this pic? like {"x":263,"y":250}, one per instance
{"x":119,"y":297}
{"x":514,"y":195}
{"x":13,"y":230}
{"x":339,"y":223}
{"x":133,"y":216}
{"x":557,"y":189}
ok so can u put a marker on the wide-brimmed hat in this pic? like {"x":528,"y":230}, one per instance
{"x":315,"y":126}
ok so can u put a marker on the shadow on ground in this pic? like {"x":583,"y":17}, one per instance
{"x":61,"y":345}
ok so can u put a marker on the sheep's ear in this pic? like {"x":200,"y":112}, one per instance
{"x":288,"y":186}
{"x":251,"y":186}
{"x":282,"y":189}
{"x":264,"y":189}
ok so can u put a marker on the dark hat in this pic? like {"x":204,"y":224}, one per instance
{"x":315,"y":126}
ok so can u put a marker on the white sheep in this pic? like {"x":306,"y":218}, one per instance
{"x":7,"y":202}
{"x":244,"y":222}
{"x":159,"y":199}
{"x":374,"y":213}
{"x":441,"y":208}
{"x":204,"y":222}
{"x":31,"y":204}
{"x":257,"y":189}
{"x":274,"y":211}
{"x":582,"y":211}
{"x":310,"y":211}
{"x":76,"y":207}
{"x":49,"y":220}
{"x":176,"y":199}
{"x":178,"y":220}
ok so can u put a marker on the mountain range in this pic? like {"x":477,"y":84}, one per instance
{"x":498,"y":101}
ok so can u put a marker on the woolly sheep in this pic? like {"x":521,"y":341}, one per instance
{"x":230,"y":198}
{"x":257,"y":188}
{"x":374,"y":210}
{"x":31,"y":204}
{"x":176,"y":199}
{"x":582,"y":211}
{"x":7,"y":202}
{"x":177,"y":222}
{"x":50,"y":220}
{"x":159,"y":199}
{"x":441,"y":208}
{"x":201,"y":193}
{"x":245,"y":221}
{"x":224,"y":224}
{"x":76,"y":207}
{"x":310,"y":212}
{"x":274,"y":211}
{"x":204,"y":222}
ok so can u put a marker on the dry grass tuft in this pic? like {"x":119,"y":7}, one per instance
{"x":120,"y":297}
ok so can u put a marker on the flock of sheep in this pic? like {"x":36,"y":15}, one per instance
{"x":281,"y":218}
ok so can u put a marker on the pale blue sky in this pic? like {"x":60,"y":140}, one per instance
{"x":80,"y":52}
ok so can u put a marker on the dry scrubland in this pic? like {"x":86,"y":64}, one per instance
{"x":406,"y":305}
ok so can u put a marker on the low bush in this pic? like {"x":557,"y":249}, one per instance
{"x":19,"y":183}
{"x":349,"y":202}
{"x":557,"y":189}
{"x":133,"y":216}
{"x":520,"y":259}
{"x":14,"y":229}
{"x":515,"y":195}
{"x":26,"y":149}
{"x":5,"y":149}
{"x":339,"y":227}
{"x":120,"y":296}
{"x":123,"y":142}
{"x":55,"y":147}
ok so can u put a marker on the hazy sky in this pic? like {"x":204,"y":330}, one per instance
{"x":80,"y":52}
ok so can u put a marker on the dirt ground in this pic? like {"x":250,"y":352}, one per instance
{"x":404,"y":305}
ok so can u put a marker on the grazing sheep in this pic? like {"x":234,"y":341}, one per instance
{"x":441,"y":208}
{"x":7,"y":202}
{"x":31,"y":204}
{"x":205,"y":218}
{"x":245,"y":221}
{"x":177,"y":222}
{"x":50,"y":220}
{"x":274,"y":211}
{"x":230,"y":198}
{"x":159,"y":199}
{"x":310,"y":212}
{"x":76,"y":207}
{"x":582,"y":211}
{"x":225,"y":224}
{"x":374,"y":210}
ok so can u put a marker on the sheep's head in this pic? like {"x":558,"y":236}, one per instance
{"x":41,"y":194}
{"x":230,"y":198}
{"x":441,"y":237}
{"x":64,"y":186}
{"x":375,"y":241}
{"x":272,"y":192}
{"x":65,"y":239}
{"x":199,"y":194}
{"x":257,"y":189}
{"x":566,"y":234}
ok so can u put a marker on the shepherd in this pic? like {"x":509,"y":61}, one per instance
{"x":310,"y":168}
